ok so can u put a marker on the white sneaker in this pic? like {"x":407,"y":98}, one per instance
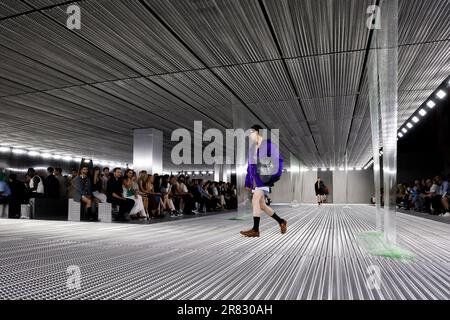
{"x":446,"y":215}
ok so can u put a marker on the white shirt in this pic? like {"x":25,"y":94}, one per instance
{"x":40,"y":186}
{"x":434,"y":188}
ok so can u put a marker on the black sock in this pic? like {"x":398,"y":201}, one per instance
{"x":256,"y":223}
{"x":279,"y":220}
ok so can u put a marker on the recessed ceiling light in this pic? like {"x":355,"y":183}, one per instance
{"x":46,"y":155}
{"x":358,"y":169}
{"x":57,"y":157}
{"x":441,"y":94}
{"x":67,"y":158}
{"x":5,"y":149}
{"x":341,"y":169}
{"x":33,"y":153}
{"x":350,"y":169}
{"x":409,"y":125}
{"x":18,"y":151}
{"x":404,"y":130}
{"x":400,"y":135}
{"x":422,"y":112}
{"x":332,"y":169}
{"x":431,"y":104}
{"x":415,"y":119}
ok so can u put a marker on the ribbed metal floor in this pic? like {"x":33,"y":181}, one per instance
{"x":206,"y":258}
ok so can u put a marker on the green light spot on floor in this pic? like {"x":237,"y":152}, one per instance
{"x":374,"y":243}
{"x":236,"y":219}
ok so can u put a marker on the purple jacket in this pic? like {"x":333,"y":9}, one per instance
{"x":253,"y":178}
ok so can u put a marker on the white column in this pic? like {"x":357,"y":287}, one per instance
{"x":295,"y":179}
{"x":387,"y":44}
{"x":148,"y":150}
{"x":374,"y":103}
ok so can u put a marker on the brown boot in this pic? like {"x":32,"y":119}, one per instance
{"x":250,"y":233}
{"x":283,"y":227}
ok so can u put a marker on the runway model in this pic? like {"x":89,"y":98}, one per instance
{"x":319,"y":187}
{"x":265,"y":167}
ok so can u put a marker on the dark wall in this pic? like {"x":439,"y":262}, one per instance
{"x":425,"y":150}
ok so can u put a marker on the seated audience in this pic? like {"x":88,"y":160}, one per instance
{"x":97,"y":186}
{"x":154,"y":198}
{"x":105,"y":178}
{"x":116,"y":197}
{"x":83,"y":193}
{"x":187,"y":198}
{"x":143,"y":189}
{"x":166,"y":201}
{"x":138,"y":210}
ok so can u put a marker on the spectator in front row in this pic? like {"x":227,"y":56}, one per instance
{"x":138,"y":210}
{"x":83,"y":192}
{"x":142,"y":183}
{"x":417,"y":200}
{"x":105,"y":178}
{"x":202,"y":197}
{"x":154,"y":197}
{"x":437,"y":197}
{"x":187,"y":199}
{"x":116,"y":197}
{"x":445,"y":194}
{"x":166,"y":200}
{"x":97,"y":186}
{"x":446,"y":204}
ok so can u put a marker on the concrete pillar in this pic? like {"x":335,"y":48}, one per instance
{"x":148,"y":150}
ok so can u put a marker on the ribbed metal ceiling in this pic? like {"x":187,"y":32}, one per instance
{"x":298,"y":65}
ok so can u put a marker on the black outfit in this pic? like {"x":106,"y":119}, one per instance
{"x":188,"y":201}
{"x":125,"y":205}
{"x":17,"y":198}
{"x":51,"y":187}
{"x":230,"y":199}
{"x":426,"y":200}
{"x":320,"y":188}
{"x":97,"y":186}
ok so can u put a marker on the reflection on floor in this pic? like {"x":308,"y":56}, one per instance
{"x":206,"y":258}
